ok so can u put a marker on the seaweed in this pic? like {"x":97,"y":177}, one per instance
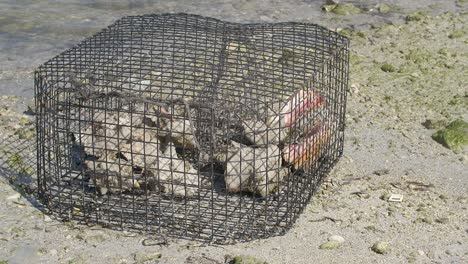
{"x":454,"y":136}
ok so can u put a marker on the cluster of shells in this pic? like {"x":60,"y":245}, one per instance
{"x":142,"y":149}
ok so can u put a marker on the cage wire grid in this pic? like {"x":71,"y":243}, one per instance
{"x":190,"y":126}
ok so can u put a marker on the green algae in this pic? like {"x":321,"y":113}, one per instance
{"x":242,"y":259}
{"x":330,"y":245}
{"x":17,"y":163}
{"x":457,"y":34}
{"x":418,"y":56}
{"x":328,"y":8}
{"x":416,"y":16}
{"x":388,"y":68}
{"x":384,"y":8}
{"x":454,"y":136}
{"x":346,"y":9}
{"x":25,"y":133}
{"x":343,"y":9}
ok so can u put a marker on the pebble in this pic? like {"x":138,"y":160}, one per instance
{"x":337,"y":238}
{"x":381,"y":247}
{"x":53,"y":252}
{"x":421,"y":253}
{"x":95,"y":239}
{"x":142,"y":257}
{"x":49,"y":229}
{"x":330,"y":245}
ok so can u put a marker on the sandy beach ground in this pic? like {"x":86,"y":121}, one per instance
{"x":408,"y":80}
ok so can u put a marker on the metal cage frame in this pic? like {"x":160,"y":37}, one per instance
{"x":184,"y":125}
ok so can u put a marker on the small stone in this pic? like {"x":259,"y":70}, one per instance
{"x":49,"y":229}
{"x":381,"y":247}
{"x":330,"y":245}
{"x":102,"y":190}
{"x":53,"y":252}
{"x":142,"y":257}
{"x":421,"y":253}
{"x":337,"y":238}
{"x":95,"y":239}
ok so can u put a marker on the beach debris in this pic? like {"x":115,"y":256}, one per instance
{"x":395,"y":198}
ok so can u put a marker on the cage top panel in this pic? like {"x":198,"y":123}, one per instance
{"x":171,"y":56}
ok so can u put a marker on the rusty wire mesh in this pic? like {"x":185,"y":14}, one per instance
{"x":191,"y":126}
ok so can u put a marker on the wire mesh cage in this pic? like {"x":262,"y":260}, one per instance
{"x":190,"y":126}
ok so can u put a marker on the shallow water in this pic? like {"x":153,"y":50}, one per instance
{"x":32,"y":31}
